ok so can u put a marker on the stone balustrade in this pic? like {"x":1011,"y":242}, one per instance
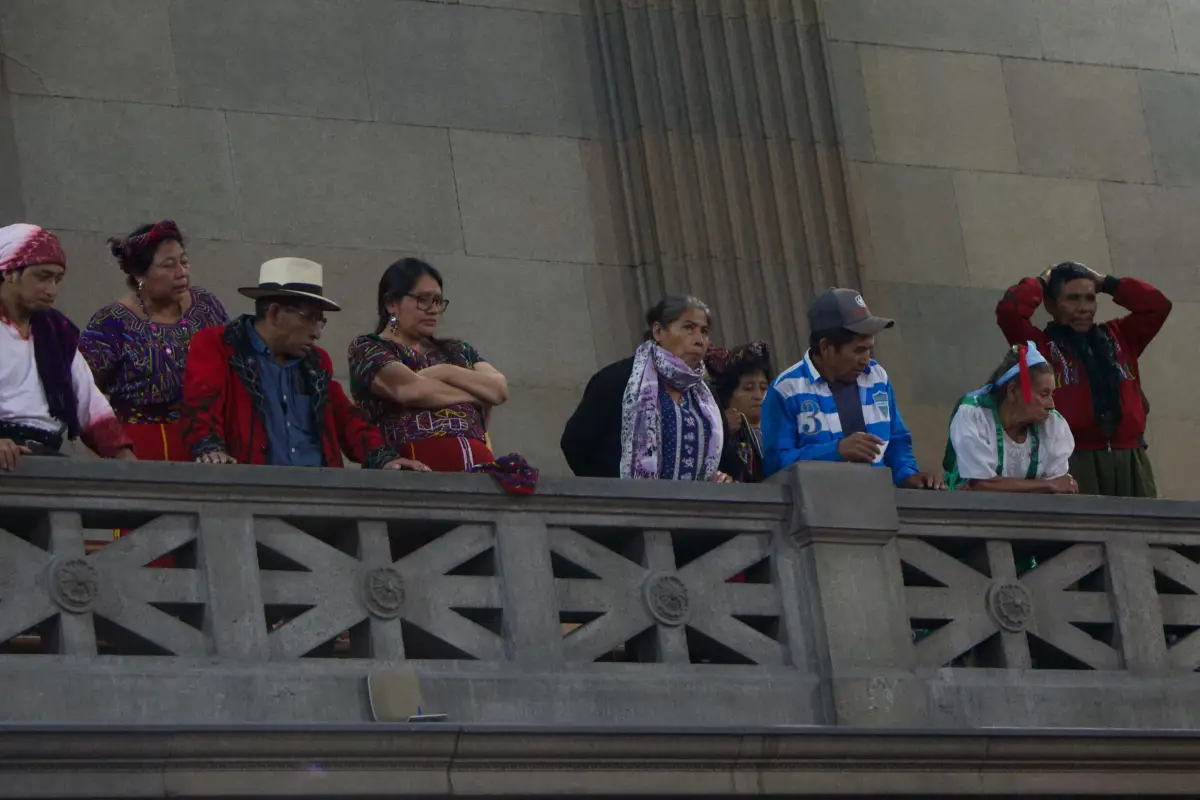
{"x":826,"y":598}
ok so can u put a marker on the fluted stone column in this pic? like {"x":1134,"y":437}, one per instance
{"x":733,"y":181}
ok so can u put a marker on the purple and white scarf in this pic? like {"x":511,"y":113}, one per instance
{"x":641,"y":417}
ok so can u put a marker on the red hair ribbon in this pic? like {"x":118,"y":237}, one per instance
{"x":1026,"y":387}
{"x":160,"y":232}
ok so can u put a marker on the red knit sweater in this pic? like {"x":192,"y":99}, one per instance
{"x":1073,"y":396}
{"x":222,"y":404}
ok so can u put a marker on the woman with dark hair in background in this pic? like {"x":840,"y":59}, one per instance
{"x":740,"y":379}
{"x":653,"y":416}
{"x":138,"y":347}
{"x":1007,"y":437}
{"x":430,"y":397}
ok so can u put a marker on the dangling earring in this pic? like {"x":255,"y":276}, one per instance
{"x":141,"y":302}
{"x":392,"y":325}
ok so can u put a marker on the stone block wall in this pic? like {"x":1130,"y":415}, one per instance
{"x":987,"y":139}
{"x":565,"y":161}
{"x":352,"y":132}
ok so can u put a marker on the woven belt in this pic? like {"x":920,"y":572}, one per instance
{"x":28,"y":435}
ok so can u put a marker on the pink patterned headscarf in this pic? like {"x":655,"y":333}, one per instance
{"x":23,"y":245}
{"x":55,"y":339}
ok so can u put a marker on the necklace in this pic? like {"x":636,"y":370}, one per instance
{"x":154,"y":331}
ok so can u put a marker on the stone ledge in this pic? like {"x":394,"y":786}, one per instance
{"x":148,"y":486}
{"x":909,"y":502}
{"x":135,"y":690}
{"x":379,"y":761}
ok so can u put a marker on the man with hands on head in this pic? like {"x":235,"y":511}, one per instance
{"x":1097,"y":386}
{"x":837,"y":404}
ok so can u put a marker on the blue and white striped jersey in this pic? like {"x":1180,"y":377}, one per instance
{"x":800,"y":420}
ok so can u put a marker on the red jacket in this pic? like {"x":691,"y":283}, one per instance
{"x":1073,"y":396}
{"x":222,"y":403}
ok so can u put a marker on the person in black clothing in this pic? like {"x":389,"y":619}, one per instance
{"x":740,"y":378}
{"x":653,"y":416}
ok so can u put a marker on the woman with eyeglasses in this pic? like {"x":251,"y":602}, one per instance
{"x":430,"y":397}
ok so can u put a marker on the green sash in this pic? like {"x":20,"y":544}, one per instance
{"x":950,"y":460}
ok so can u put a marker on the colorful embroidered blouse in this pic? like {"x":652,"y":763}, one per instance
{"x":139,"y":364}
{"x":684,"y":436}
{"x":369,"y":354}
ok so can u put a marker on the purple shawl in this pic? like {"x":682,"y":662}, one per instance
{"x":641,"y":418}
{"x":55,"y":342}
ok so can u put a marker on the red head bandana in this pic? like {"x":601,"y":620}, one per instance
{"x":24,"y":245}
{"x":161,"y":232}
{"x":721,"y":361}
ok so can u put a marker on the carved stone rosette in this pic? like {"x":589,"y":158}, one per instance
{"x":1010,"y":605}
{"x":74,"y":585}
{"x":666,"y":598}
{"x":383,"y":592}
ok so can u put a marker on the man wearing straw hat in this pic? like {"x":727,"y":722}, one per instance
{"x":260,"y":391}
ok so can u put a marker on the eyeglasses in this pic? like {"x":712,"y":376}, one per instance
{"x":307,"y":316}
{"x":428,"y":302}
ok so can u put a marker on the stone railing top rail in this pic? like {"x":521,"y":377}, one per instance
{"x":134,"y":485}
{"x":123,"y":483}
{"x":1018,"y":509}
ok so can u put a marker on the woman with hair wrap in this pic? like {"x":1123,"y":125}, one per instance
{"x":653,"y":416}
{"x":138,"y":346}
{"x":740,"y":378}
{"x":1097,"y":385}
{"x":1007,"y":437}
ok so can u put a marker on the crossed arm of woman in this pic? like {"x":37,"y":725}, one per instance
{"x":484,"y":383}
{"x":400,"y":384}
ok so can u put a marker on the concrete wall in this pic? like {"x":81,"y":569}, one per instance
{"x":352,"y":132}
{"x":11,"y":204}
{"x":981,"y":139}
{"x":988,"y":139}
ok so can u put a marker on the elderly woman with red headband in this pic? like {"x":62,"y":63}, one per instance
{"x":137,"y":347}
{"x":1007,"y":437}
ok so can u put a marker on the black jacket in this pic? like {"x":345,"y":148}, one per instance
{"x":592,"y":439}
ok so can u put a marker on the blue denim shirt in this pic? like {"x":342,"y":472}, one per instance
{"x":288,"y":412}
